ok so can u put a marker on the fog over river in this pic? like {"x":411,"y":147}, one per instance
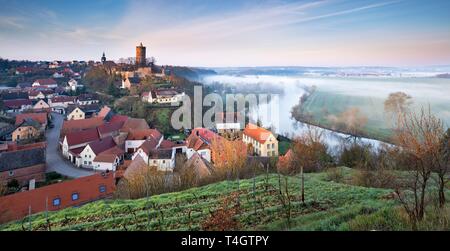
{"x":425,"y":91}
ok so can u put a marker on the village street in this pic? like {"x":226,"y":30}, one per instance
{"x":55,"y":161}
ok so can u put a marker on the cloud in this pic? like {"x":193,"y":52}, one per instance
{"x":9,"y":22}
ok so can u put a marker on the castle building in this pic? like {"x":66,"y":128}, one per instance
{"x":140,"y":55}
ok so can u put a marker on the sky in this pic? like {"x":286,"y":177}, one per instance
{"x":217,"y":33}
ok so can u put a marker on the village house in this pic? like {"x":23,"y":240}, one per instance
{"x":17,"y":105}
{"x":79,"y":125}
{"x":86,"y":157}
{"x":27,"y":129}
{"x":228,"y":122}
{"x":58,"y":75}
{"x":163,"y":96}
{"x":128,"y":82}
{"x":162,"y":159}
{"x":12,"y":95}
{"x":110,"y":129}
{"x":58,"y":196}
{"x":75,"y":113}
{"x":23,"y":165}
{"x":41,"y":93}
{"x":41,"y":105}
{"x":73,"y":143}
{"x":23,"y":70}
{"x":48,"y":82}
{"x":73,"y":85}
{"x":60,"y":103}
{"x":131,"y":124}
{"x":199,"y":141}
{"x":262,"y":141}
{"x":136,"y":138}
{"x":87,"y":99}
{"x":41,"y":118}
{"x":109,"y":159}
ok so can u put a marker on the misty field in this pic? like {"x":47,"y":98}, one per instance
{"x":334,"y":96}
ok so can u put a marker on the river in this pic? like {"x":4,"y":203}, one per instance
{"x":368,"y":94}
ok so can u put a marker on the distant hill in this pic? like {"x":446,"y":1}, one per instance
{"x":190,"y":73}
{"x":445,"y":75}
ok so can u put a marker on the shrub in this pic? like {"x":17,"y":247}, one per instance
{"x":379,"y":178}
{"x":335,"y":174}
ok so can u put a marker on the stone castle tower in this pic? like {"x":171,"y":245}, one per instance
{"x":140,"y":55}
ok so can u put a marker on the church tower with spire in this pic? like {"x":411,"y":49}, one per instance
{"x":103,"y":58}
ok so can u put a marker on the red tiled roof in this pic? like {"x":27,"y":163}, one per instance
{"x":61,"y":99}
{"x":80,"y":137}
{"x":16,"y":103}
{"x":104,"y":111}
{"x":257,"y":133}
{"x":39,"y":117}
{"x":115,"y":150}
{"x":166,"y":144}
{"x":100,"y":145}
{"x":144,"y":134}
{"x":77,"y":151}
{"x":109,"y":127}
{"x":134,"y":124}
{"x":200,"y":138}
{"x":105,"y":158}
{"x":16,"y":206}
{"x":118,"y":118}
{"x":206,"y":134}
{"x":195,"y":142}
{"x":149,"y":145}
{"x":80,"y":124}
{"x":46,"y":81}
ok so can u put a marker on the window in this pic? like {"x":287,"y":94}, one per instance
{"x":56,"y":202}
{"x":273,"y":145}
{"x":85,"y":162}
{"x":102,"y":189}
{"x":75,"y":196}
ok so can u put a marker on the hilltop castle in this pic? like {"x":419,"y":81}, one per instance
{"x":140,"y":56}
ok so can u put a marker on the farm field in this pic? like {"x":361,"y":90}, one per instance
{"x":329,"y":206}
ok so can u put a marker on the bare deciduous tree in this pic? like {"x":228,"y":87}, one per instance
{"x":397,"y":104}
{"x":419,"y":135}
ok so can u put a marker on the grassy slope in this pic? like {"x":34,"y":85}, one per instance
{"x":329,"y":206}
